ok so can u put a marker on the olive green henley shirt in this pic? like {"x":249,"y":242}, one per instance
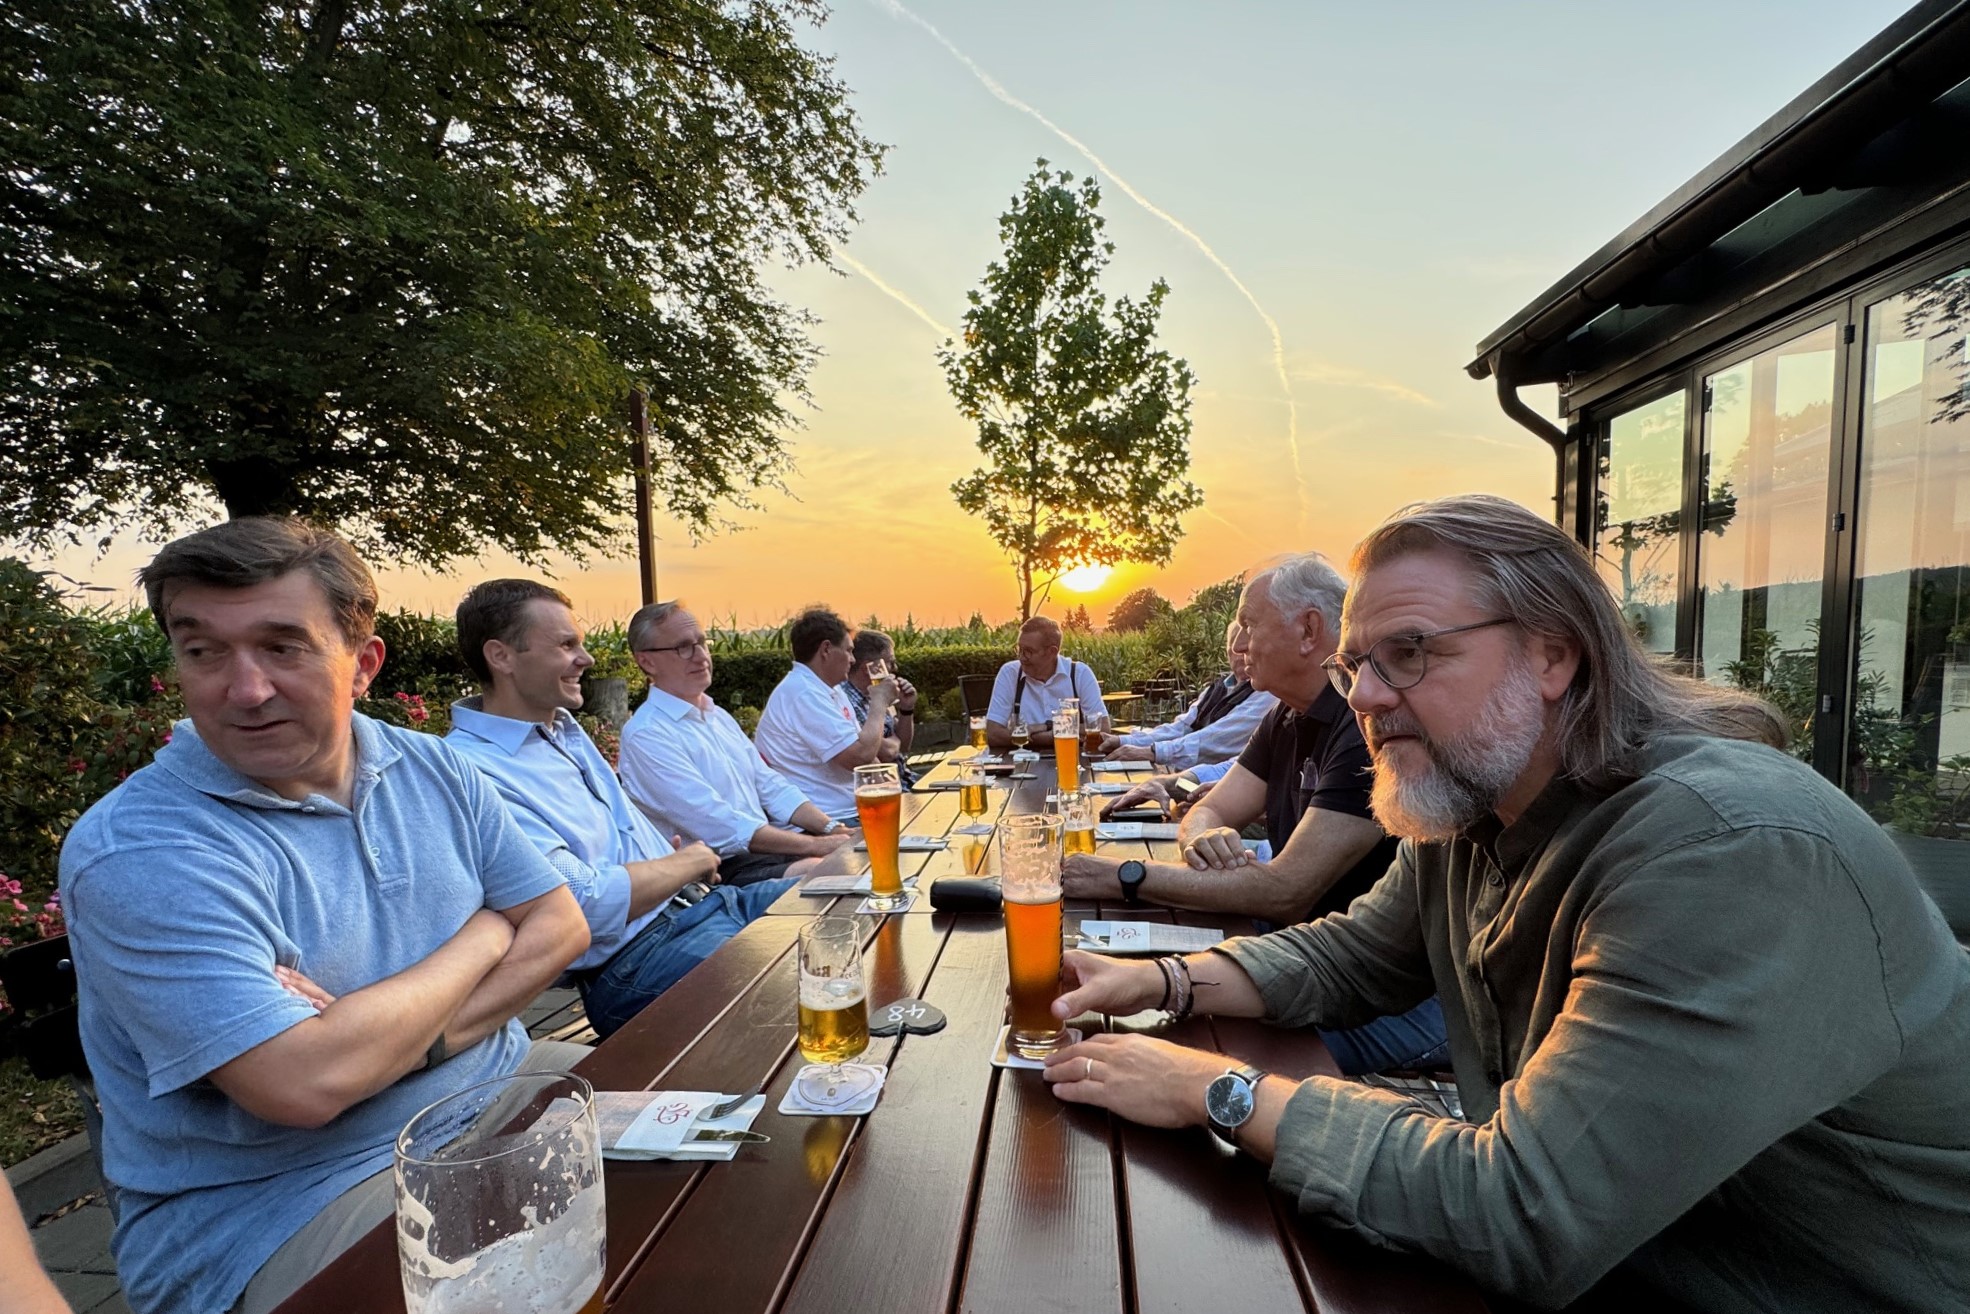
{"x":1705,"y":1027}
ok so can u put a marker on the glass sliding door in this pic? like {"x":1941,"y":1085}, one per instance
{"x":1908,"y":752}
{"x":1638,"y":516}
{"x":1761,"y":552}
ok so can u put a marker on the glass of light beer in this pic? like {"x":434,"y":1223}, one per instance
{"x":978,"y":733}
{"x":499,"y":1199}
{"x":1067,"y":746}
{"x":834,"y":1011}
{"x":879,"y":806}
{"x":1029,"y":852}
{"x":1093,"y":731}
{"x":971,"y":789}
{"x":1077,"y":821}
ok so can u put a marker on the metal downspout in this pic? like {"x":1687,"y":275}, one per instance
{"x":1508,"y":402}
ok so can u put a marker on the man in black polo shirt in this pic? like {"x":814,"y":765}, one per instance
{"x":1305,"y":773}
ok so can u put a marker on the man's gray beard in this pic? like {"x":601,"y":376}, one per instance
{"x":1467,"y":775}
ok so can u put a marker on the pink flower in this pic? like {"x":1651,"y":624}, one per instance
{"x":156,"y":685}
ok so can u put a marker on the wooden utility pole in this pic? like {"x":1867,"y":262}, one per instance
{"x":646,"y":532}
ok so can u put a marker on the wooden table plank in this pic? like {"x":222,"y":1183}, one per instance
{"x":1201,"y":1229}
{"x":893,"y":1234}
{"x":1046,"y":1234}
{"x":731,"y":1245}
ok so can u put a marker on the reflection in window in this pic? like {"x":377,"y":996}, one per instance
{"x":1767,"y":441}
{"x":1909,"y":758}
{"x":1638,"y":516}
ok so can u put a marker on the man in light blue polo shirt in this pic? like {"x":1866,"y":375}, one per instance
{"x":654,"y":913}
{"x":291,"y":931}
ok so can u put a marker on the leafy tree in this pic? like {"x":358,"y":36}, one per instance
{"x":1083,"y":420}
{"x":397,"y":266}
{"x":1078,"y":621}
{"x":1136,"y":610}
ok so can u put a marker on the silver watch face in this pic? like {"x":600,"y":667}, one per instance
{"x":1228,"y":1099}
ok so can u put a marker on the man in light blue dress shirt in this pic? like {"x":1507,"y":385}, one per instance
{"x":654,"y":912}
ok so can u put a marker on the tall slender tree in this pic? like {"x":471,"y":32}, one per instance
{"x":397,"y":266}
{"x":1084,"y":421}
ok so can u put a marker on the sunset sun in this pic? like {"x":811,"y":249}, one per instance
{"x":1085,"y":579}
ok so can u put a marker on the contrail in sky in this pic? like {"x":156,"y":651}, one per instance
{"x":892,"y":293}
{"x":992,"y":84}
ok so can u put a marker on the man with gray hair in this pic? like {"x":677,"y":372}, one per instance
{"x":1214,"y":728}
{"x":1305,"y":775}
{"x":1711,"y":1039}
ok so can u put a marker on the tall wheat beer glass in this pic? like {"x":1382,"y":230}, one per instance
{"x":879,"y":805}
{"x":971,"y":789}
{"x":978,"y":733}
{"x":1077,"y":818}
{"x":1067,"y":747}
{"x":1030,"y":858}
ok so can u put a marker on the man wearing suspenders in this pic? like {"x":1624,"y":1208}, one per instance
{"x":1030,"y":688}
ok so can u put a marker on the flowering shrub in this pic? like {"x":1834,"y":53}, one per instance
{"x":21,"y":923}
{"x":62,"y":746}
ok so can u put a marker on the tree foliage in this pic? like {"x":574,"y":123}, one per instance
{"x":397,"y":265}
{"x":1135,"y":610}
{"x":1083,"y":420}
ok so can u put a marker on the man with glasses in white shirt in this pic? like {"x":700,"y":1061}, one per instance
{"x":691,"y":769}
{"x":1029,"y":688}
{"x":808,"y":732}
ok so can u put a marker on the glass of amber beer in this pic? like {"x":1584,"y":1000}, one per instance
{"x":1067,"y":746}
{"x":499,"y":1198}
{"x":978,"y":733}
{"x":834,"y":1011}
{"x":879,"y":805}
{"x":1093,"y":731}
{"x":1077,"y":820}
{"x":1029,"y":852}
{"x":971,"y":790}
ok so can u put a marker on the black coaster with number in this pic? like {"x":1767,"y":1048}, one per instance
{"x":911,"y":1016}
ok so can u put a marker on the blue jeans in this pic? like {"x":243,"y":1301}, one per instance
{"x":1414,"y":1039}
{"x":667,"y":948}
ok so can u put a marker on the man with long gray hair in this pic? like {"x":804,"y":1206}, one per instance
{"x":1711,"y":1039}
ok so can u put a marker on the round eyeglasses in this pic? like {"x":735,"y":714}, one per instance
{"x":1400,"y":661}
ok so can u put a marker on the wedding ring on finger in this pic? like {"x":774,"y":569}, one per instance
{"x":1090,"y":1071}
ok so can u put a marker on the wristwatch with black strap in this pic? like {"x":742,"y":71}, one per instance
{"x":1230,"y":1099}
{"x":1130,"y":875}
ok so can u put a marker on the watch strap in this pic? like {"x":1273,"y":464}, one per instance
{"x":1251,"y":1076}
{"x":438,"y":1052}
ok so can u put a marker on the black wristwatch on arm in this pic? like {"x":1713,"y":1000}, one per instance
{"x":1230,"y":1099}
{"x":1131,"y":874}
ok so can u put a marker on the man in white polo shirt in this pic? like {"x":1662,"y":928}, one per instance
{"x":689,"y":767}
{"x":808,"y":732}
{"x":1030,"y":688}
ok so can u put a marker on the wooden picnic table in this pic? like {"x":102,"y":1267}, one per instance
{"x":969,"y":1187}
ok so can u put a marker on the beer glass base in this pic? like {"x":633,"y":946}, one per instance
{"x":888,"y":902}
{"x":1035,"y":1044}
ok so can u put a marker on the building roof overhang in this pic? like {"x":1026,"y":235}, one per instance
{"x":1882,"y":139}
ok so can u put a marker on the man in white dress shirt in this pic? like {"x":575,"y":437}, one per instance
{"x":1214,"y":728}
{"x":1030,"y":688}
{"x":689,"y":767}
{"x":808,"y":732}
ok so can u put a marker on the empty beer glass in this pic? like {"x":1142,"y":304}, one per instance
{"x":1029,"y":855}
{"x":499,"y":1199}
{"x":879,"y":806}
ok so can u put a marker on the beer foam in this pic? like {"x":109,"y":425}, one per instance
{"x":548,"y":1269}
{"x":827,"y":993}
{"x":1029,"y":895}
{"x":878,"y":791}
